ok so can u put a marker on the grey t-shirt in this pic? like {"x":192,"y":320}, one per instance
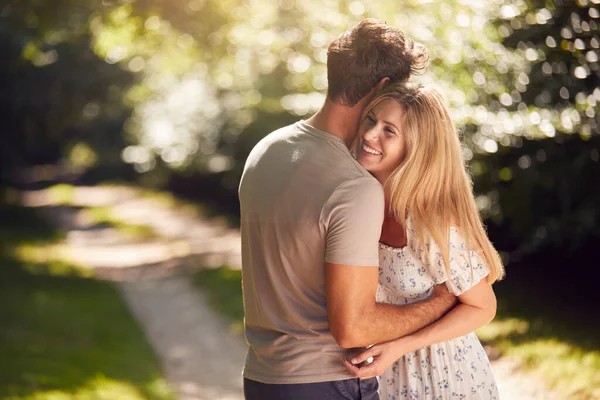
{"x":304,"y":201}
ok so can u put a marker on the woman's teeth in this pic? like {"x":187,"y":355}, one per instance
{"x":370,"y":150}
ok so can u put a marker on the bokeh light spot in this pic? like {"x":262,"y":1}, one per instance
{"x":357,"y":8}
{"x":490,"y":145}
{"x":524,"y":162}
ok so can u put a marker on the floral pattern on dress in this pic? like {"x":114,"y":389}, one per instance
{"x":450,"y":370}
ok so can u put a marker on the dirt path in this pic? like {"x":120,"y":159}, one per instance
{"x":201,"y":356}
{"x":202,"y":359}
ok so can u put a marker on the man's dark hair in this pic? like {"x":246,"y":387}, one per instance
{"x":363,"y":55}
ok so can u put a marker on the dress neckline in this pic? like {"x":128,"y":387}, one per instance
{"x":390,"y":248}
{"x":400,"y":249}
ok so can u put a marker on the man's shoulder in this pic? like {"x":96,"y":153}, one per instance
{"x":359,"y":185}
{"x":281,"y":133}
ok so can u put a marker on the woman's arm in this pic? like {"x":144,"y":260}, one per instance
{"x":476,"y":307}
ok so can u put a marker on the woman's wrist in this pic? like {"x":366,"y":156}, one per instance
{"x":410,"y":342}
{"x":404,"y":345}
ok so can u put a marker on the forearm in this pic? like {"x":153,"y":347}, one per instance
{"x":386,"y":322}
{"x":461,"y":320}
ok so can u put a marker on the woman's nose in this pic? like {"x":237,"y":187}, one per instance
{"x":371,"y":133}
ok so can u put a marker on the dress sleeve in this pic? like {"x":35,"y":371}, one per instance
{"x":467,"y":268}
{"x":353,"y":217}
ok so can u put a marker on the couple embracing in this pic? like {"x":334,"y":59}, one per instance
{"x":363,"y":253}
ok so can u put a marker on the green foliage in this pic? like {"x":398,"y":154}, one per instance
{"x":198,"y":75}
{"x":560,"y":39}
{"x":549,"y":201}
{"x":55,"y":92}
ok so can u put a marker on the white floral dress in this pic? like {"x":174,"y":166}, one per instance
{"x":454,"y":369}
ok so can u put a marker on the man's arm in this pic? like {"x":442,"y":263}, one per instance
{"x":353,"y":216}
{"x":477,"y":307}
{"x":356,"y":320}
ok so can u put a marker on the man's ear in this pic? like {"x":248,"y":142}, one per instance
{"x":382,"y":83}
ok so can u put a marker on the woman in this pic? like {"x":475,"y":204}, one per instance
{"x":432,"y":234}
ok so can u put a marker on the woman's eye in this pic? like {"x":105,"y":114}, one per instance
{"x":371,"y":119}
{"x":388,"y":130}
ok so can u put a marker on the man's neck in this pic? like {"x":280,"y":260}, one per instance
{"x":338,"y":120}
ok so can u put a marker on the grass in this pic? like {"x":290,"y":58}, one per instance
{"x":104,"y":216}
{"x":27,"y":240}
{"x":64,"y":335}
{"x":555,"y":340}
{"x":223,"y":287}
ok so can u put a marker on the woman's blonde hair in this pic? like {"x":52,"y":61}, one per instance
{"x":432,"y":184}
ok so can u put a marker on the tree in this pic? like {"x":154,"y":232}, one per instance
{"x":57,"y":98}
{"x":541,"y":191}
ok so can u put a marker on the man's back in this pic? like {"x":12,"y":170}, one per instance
{"x":297,"y":192}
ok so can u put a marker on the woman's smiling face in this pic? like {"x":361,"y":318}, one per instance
{"x":382,"y":140}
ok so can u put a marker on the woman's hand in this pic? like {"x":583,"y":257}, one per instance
{"x":382,"y":355}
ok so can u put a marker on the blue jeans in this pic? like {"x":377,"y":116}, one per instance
{"x":349,"y":389}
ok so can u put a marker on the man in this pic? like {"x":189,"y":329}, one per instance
{"x":311,"y":219}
